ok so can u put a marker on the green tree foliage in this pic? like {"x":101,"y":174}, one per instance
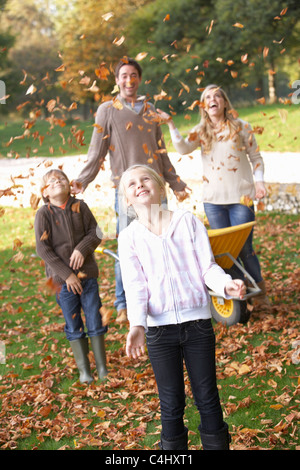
{"x":237,"y":44}
{"x":92,"y":41}
{"x":33,"y":56}
{"x":68,"y":49}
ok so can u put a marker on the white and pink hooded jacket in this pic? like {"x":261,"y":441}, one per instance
{"x":165,"y":277}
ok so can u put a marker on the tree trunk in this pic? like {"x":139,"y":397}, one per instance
{"x":272,"y":84}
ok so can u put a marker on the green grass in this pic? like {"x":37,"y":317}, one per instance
{"x":280,"y":123}
{"x":44,"y":407}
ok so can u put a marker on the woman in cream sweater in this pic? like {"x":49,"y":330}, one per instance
{"x":233,"y":169}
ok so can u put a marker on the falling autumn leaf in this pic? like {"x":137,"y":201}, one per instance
{"x":61,"y":68}
{"x":81,"y":275}
{"x":76,"y":207}
{"x":117,"y":104}
{"x":34,"y":201}
{"x":145,"y":148}
{"x":107,"y":16}
{"x":141,"y":56}
{"x":118,"y":42}
{"x":265,"y":52}
{"x":44,"y":236}
{"x":32,"y":89}
{"x":210,"y":27}
{"x":102,"y":72}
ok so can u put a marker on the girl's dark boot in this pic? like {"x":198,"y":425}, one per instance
{"x":176,"y":443}
{"x":218,"y":440}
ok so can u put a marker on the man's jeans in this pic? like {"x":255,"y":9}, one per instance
{"x":71,"y":305}
{"x":122,"y":221}
{"x":221,"y":216}
{"x":193,"y":341}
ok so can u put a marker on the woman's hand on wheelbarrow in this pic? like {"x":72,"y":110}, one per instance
{"x":235,"y":288}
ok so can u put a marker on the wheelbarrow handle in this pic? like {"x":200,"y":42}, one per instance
{"x":102,"y":250}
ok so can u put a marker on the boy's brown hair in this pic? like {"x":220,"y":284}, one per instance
{"x":45,"y":179}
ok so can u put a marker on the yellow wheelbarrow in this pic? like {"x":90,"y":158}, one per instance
{"x":226,"y":245}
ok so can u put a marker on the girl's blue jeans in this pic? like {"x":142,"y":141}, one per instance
{"x":221,"y":216}
{"x":71,"y":305}
{"x":194,"y":343}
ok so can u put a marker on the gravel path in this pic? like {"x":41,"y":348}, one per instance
{"x":24,"y":174}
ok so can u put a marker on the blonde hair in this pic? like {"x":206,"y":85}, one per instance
{"x":122,"y":188}
{"x":206,"y":129}
{"x":46,"y":177}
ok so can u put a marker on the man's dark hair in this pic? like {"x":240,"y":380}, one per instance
{"x":128,"y":61}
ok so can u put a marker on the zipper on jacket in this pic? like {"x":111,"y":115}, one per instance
{"x":68,"y":220}
{"x":169,"y":271}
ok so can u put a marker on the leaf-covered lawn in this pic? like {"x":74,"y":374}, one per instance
{"x":43,"y":406}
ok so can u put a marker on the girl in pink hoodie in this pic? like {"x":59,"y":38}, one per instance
{"x":166,"y":263}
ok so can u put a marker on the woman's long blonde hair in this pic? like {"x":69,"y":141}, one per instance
{"x":206,"y":129}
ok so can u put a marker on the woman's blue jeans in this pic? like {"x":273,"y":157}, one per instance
{"x":71,"y":305}
{"x":194,"y":343}
{"x":221,"y":216}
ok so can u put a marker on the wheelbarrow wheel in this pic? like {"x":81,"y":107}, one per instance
{"x":229,"y":311}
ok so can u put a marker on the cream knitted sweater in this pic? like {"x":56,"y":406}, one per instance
{"x":229,"y":167}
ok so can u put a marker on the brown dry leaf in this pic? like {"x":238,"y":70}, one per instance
{"x":141,"y":56}
{"x":44,"y":236}
{"x":45,"y":410}
{"x":246,"y":201}
{"x":244,"y":369}
{"x":53,"y":286}
{"x":210,"y":27}
{"x":145,"y":148}
{"x":17,"y":244}
{"x":106,"y":315}
{"x":102,"y":72}
{"x":265,"y":52}
{"x":186,"y":87}
{"x":61,"y":68}
{"x":118,"y":42}
{"x":81,"y":275}
{"x":76,"y":207}
{"x":34,"y":201}
{"x":51,"y":105}
{"x":117,"y":104}
{"x":32,"y":89}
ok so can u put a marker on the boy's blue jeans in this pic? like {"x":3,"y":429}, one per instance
{"x":71,"y":305}
{"x":168,"y":346}
{"x":226,"y":215}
